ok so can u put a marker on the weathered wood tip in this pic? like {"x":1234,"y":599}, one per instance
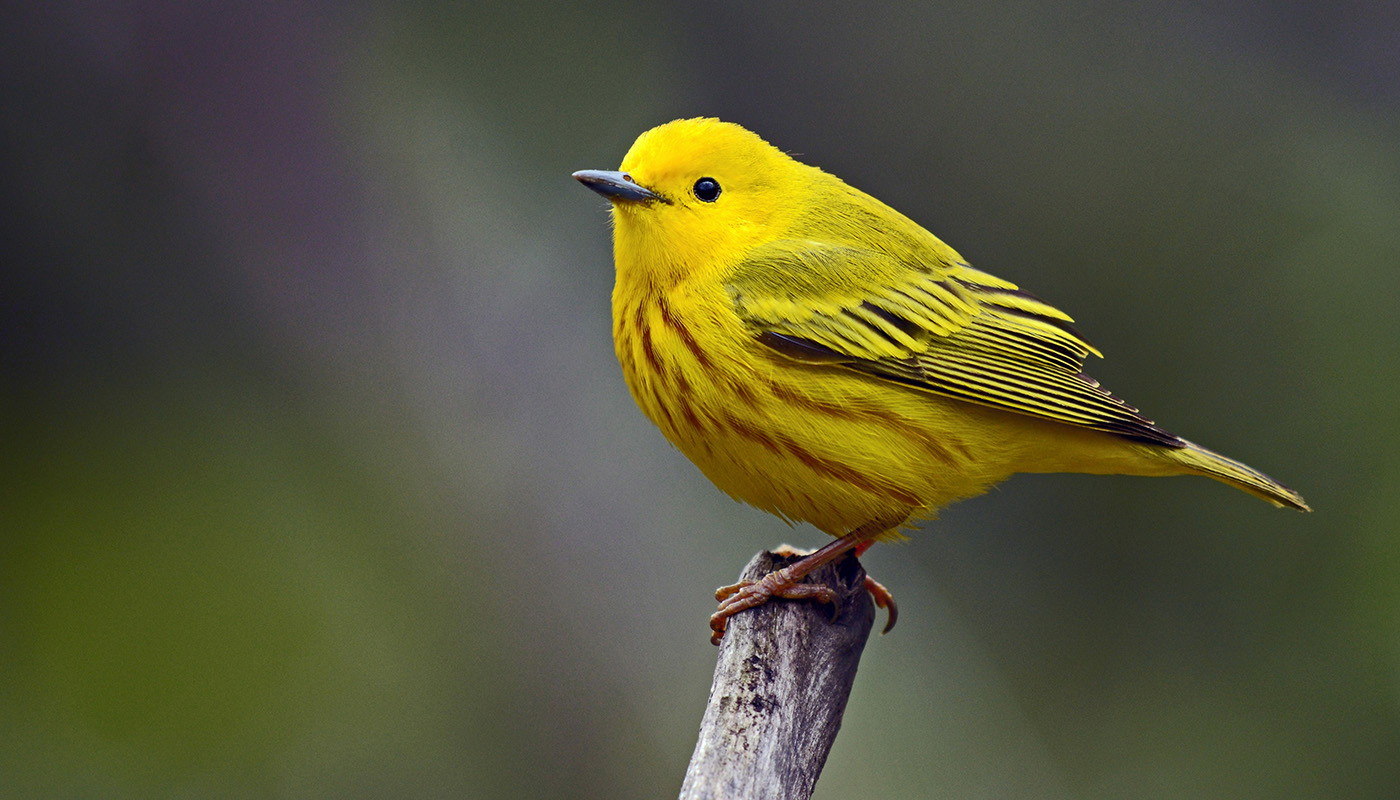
{"x":783,"y":677}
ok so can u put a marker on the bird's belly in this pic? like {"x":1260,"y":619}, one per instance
{"x":841,"y":464}
{"x":809,"y":443}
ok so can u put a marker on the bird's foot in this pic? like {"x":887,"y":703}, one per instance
{"x":752,"y":594}
{"x":883,"y":599}
{"x":783,"y":583}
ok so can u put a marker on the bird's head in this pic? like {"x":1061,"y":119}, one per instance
{"x":693,"y":195}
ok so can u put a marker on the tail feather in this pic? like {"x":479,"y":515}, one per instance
{"x":1240,"y":476}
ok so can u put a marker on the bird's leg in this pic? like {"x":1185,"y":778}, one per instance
{"x":784,"y":583}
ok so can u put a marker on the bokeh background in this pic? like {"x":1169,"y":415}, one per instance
{"x":319,"y":478}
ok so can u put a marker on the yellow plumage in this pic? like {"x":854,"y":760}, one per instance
{"x":821,"y":356}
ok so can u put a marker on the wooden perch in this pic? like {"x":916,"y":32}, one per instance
{"x":785,"y":671}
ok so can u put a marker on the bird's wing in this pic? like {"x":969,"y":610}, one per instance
{"x":943,"y":327}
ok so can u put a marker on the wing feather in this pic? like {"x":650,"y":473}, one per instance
{"x":943,"y":327}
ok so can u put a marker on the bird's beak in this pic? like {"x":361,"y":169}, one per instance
{"x":617,"y":186}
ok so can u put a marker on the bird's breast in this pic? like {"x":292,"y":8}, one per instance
{"x":799,"y":441}
{"x":674,"y":362}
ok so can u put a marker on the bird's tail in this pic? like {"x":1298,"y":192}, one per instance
{"x":1227,"y":470}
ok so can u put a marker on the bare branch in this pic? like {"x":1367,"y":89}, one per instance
{"x":784,"y":674}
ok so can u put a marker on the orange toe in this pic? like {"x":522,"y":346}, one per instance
{"x":751,"y":594}
{"x":883,"y":599}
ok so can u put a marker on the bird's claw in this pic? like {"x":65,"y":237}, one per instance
{"x":748,"y":594}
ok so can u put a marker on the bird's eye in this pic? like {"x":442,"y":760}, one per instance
{"x":707,"y":189}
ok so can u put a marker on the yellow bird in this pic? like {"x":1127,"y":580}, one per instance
{"x":821,"y":356}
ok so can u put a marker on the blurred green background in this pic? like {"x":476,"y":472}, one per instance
{"x":320,"y":478}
